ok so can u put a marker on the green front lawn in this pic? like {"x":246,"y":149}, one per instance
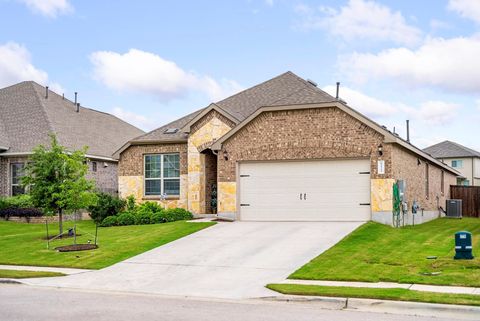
{"x":17,"y":274}
{"x":396,"y":294}
{"x":24,"y":244}
{"x":376,"y":252}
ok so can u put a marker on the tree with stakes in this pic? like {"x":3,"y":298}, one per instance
{"x":56,"y":180}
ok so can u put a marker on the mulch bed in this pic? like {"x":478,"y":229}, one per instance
{"x":76,"y":247}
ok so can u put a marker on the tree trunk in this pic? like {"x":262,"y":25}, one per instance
{"x":60,"y":221}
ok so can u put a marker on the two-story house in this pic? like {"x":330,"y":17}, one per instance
{"x":463,"y":159}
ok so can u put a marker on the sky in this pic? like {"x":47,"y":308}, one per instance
{"x":150,"y":62}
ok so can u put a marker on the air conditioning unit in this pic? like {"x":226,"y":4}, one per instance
{"x":454,"y":208}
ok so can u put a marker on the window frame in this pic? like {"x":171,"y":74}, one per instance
{"x":12,"y":185}
{"x":457,"y":163}
{"x":162,"y":178}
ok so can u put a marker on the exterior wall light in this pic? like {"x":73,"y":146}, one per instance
{"x":225,"y":155}
{"x":380,"y":150}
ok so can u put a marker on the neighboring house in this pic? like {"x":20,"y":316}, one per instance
{"x":463,"y":159}
{"x":30,"y":112}
{"x":283,"y":150}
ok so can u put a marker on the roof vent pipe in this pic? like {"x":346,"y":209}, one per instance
{"x":78,"y":107}
{"x":338,"y":90}
{"x":75,"y":98}
{"x":46,"y":92}
{"x":408,"y":130}
{"x":63,"y":96}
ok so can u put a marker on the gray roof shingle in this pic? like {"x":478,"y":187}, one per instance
{"x":449,"y":149}
{"x":285,"y":89}
{"x":27,"y":117}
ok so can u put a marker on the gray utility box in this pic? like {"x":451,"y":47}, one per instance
{"x":454,"y":208}
{"x":463,"y":246}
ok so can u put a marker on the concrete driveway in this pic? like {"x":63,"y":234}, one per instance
{"x":229,"y":260}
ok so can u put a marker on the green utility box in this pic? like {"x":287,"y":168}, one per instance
{"x":463,"y":246}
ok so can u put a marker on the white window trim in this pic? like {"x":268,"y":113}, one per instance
{"x":457,"y":162}
{"x":10,"y":167}
{"x":161,"y":178}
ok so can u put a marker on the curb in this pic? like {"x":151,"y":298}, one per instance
{"x":452,"y":311}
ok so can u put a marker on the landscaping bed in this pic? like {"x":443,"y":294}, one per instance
{"x":76,"y":247}
{"x":376,"y":252}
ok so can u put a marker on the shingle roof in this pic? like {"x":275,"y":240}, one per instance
{"x":285,"y":89}
{"x":448,"y":149}
{"x":160,"y":135}
{"x":27,"y":117}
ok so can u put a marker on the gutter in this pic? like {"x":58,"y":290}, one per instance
{"x":4,"y":148}
{"x":14,"y":154}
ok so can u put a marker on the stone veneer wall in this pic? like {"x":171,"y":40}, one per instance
{"x":130,"y":172}
{"x":297,"y":135}
{"x":204,"y":132}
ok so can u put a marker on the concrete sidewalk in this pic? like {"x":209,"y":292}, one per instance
{"x":391,"y":285}
{"x":67,"y":271}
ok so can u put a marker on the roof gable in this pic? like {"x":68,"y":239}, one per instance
{"x":28,"y":117}
{"x":449,"y":149}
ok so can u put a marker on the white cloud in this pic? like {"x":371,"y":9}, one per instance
{"x":450,"y":64}
{"x":365,"y":104}
{"x":137,"y":120}
{"x":49,"y":8}
{"x":360,"y":20}
{"x":432,"y":112}
{"x":16,"y":65}
{"x":469,"y":9}
{"x":270,"y":2}
{"x":145,"y":72}
{"x":435,"y":112}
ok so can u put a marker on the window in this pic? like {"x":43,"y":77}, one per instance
{"x":442,"y":182}
{"x":162,"y":174}
{"x":16,"y":174}
{"x":457,"y":163}
{"x":427,"y":183}
{"x":94,"y":166}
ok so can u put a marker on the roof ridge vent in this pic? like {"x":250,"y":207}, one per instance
{"x":311,"y":82}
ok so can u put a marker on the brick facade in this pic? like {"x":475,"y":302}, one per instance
{"x":106,"y":177}
{"x":412,"y":169}
{"x":131,"y":160}
{"x":302,"y":134}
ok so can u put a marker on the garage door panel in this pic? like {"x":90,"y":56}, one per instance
{"x":305,"y":191}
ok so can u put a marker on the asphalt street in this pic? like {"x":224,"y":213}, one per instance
{"x":22,"y":303}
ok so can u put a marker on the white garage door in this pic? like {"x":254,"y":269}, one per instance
{"x":305,"y":191}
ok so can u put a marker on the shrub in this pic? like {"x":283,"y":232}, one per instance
{"x":19,"y":201}
{"x":107,"y":205}
{"x":159,"y":217}
{"x":148,"y":207}
{"x":109,"y":221}
{"x":126,"y":218}
{"x":131,"y":203}
{"x":144,"y":217}
{"x":177,"y":214}
{"x":20,"y":212}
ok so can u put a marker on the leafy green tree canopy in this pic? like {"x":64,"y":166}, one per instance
{"x":57,"y":179}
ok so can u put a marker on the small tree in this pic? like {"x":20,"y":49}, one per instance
{"x":56,"y":180}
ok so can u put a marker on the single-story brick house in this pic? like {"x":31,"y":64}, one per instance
{"x":29,"y":112}
{"x":282,"y":150}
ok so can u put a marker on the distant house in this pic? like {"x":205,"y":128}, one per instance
{"x":463,"y":159}
{"x":30,"y":112}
